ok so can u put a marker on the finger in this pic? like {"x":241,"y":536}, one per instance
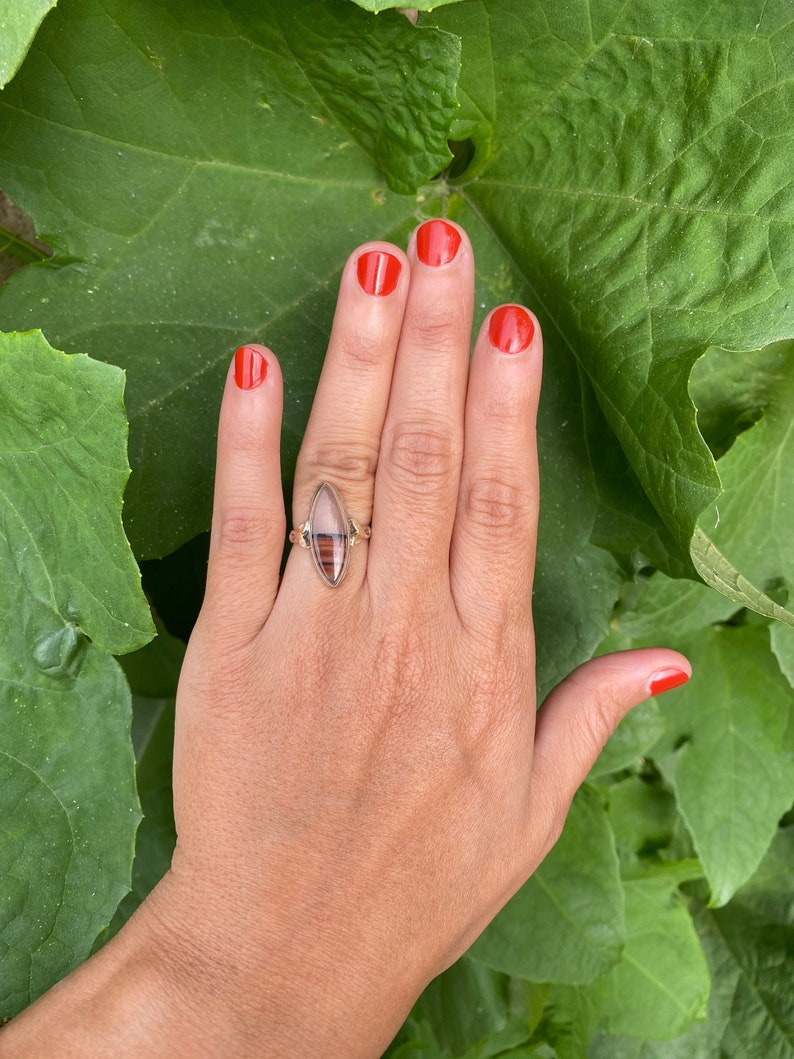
{"x":421,"y":449}
{"x":493,"y":544}
{"x":248,"y":521}
{"x":342,"y":439}
{"x":581,"y":713}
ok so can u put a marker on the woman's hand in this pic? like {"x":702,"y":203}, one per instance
{"x":360,"y":779}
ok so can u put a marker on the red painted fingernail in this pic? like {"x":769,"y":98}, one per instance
{"x":437,"y":242}
{"x":666,"y":679}
{"x":250,"y":368}
{"x":511,"y":329}
{"x":378,"y":272}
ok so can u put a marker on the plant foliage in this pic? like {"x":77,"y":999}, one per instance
{"x":202,"y":171}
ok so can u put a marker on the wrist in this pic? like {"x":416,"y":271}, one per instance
{"x":119,"y":1002}
{"x":184,"y":978}
{"x":292,"y":984}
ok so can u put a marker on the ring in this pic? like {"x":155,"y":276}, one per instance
{"x":329,"y":534}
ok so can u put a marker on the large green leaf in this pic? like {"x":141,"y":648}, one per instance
{"x":70,"y":593}
{"x":749,"y":946}
{"x":781,"y":638}
{"x":19,"y":20}
{"x":733,"y":774}
{"x":661,"y":983}
{"x":205,"y":190}
{"x":470,"y":1012}
{"x":750,"y":524}
{"x":659,"y":987}
{"x":601,"y":132}
{"x":566,"y":923}
{"x":64,"y":464}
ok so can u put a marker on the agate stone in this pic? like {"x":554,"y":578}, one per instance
{"x":329,"y":538}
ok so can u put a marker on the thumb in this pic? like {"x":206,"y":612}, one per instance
{"x":582,"y":712}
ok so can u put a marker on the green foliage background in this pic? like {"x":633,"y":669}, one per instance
{"x":201,"y":172}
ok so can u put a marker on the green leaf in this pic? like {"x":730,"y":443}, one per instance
{"x":668,"y":610}
{"x":380,"y":92}
{"x":472,"y":1012}
{"x":658,"y":988}
{"x":643,"y":818}
{"x":64,"y":465}
{"x":207,"y":193}
{"x":566,"y":923}
{"x":781,"y":638}
{"x":599,"y":177}
{"x":661,"y":983}
{"x":153,"y":671}
{"x":569,"y":1021}
{"x":19,"y":20}
{"x":733,"y":776}
{"x":240,"y":199}
{"x":626,"y":523}
{"x":750,"y":524}
{"x":71,"y":593}
{"x":749,"y":946}
{"x":637,"y":732}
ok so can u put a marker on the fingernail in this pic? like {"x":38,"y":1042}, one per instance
{"x":511,"y":329}
{"x":666,"y":679}
{"x":437,"y":242}
{"x":250,"y":368}
{"x":378,"y":272}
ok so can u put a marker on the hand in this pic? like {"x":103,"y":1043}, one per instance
{"x":360,"y":778}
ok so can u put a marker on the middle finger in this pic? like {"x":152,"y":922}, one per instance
{"x":416,"y":487}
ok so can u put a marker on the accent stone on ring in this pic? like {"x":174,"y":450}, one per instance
{"x":329,"y":534}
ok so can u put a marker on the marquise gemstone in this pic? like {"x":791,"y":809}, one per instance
{"x":329,"y":534}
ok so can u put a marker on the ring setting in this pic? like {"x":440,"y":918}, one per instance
{"x":329,"y":534}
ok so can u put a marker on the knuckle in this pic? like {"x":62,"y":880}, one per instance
{"x":242,"y":529}
{"x":501,"y":691}
{"x":348,"y":463}
{"x":505,"y":405}
{"x":363,"y":348}
{"x":435,"y":330}
{"x":495,"y":504}
{"x":421,"y":458}
{"x":243,"y":434}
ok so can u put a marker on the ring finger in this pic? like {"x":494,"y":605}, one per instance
{"x":342,"y":439}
